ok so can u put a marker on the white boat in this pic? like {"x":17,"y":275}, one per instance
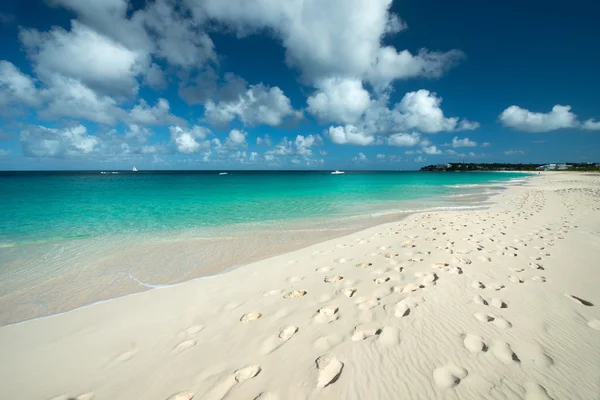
{"x":222,"y":173}
{"x":336,"y":172}
{"x":103,"y":173}
{"x":134,"y":169}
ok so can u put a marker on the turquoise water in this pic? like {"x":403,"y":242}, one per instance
{"x":47,"y":206}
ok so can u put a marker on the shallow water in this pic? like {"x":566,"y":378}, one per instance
{"x":70,"y":239}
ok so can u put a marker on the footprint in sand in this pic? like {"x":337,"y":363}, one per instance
{"x":348,"y":292}
{"x":504,"y":353}
{"x":329,"y":370}
{"x":185,"y":345}
{"x":495,"y":286}
{"x":536,"y":266}
{"x":477,"y":285}
{"x":323,"y":269}
{"x":294,"y":294}
{"x":540,"y":358}
{"x":594,"y":324}
{"x":331,"y":279}
{"x":365,"y":331}
{"x":515,"y":279}
{"x":326,"y":315}
{"x":272,"y":293}
{"x":497,"y":321}
{"x":246,"y":318}
{"x":404,"y":306}
{"x":495,"y":302}
{"x":474,"y":343}
{"x":182,"y":396}
{"x":127,"y":355}
{"x":533,"y":391}
{"x":579,"y":300}
{"x":364,"y":265}
{"x":477,"y":299}
{"x":294,"y":279}
{"x":83,"y":396}
{"x":539,"y":279}
{"x":267,"y":396}
{"x":369,"y":304}
{"x":389,"y":336}
{"x":381,"y":280}
{"x":449,"y":376}
{"x":276,"y":341}
{"x":239,"y":376}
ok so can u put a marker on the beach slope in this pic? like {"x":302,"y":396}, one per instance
{"x":500,"y":303}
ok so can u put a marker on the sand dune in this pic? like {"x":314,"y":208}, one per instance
{"x":500,"y":303}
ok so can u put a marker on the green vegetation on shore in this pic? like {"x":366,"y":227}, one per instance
{"x":455,"y":167}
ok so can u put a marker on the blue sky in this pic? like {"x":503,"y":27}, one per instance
{"x":268,"y":84}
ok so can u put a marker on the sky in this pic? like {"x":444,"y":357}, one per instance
{"x":296,"y":84}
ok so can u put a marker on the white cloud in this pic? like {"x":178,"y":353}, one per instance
{"x":155,"y":77}
{"x":339,"y":100}
{"x":16,"y":87}
{"x":258,"y":105}
{"x":522,"y":119}
{"x":178,"y":39}
{"x":591,"y":125}
{"x":69,"y":98}
{"x":265,"y":140}
{"x":486,"y":144}
{"x":156,"y":115}
{"x":236,"y":138}
{"x":304,"y":144}
{"x":403,"y":139}
{"x":465,"y":142}
{"x":420,"y":159}
{"x":325,"y":39}
{"x":82,"y":54}
{"x":380,"y":156}
{"x":391,"y":64}
{"x":349,"y":134}
{"x":513,"y":152}
{"x":360,"y":158}
{"x":421,"y":110}
{"x":466,"y":125}
{"x":39,"y":141}
{"x":190,"y":140}
{"x":432,"y":150}
{"x":283,"y":148}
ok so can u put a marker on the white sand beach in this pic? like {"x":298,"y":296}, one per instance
{"x":500,"y":303}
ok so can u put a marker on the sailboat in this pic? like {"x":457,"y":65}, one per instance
{"x":134,"y":169}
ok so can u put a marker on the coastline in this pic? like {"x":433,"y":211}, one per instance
{"x":93,"y":270}
{"x":490,"y":303}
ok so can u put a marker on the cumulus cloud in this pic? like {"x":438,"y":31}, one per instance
{"x":85,"y":55}
{"x":360,"y":158}
{"x":258,"y":105}
{"x":420,"y":159}
{"x":155,"y":77}
{"x":264,"y":140}
{"x":68,"y":97}
{"x":157,"y":115}
{"x":304,"y":144}
{"x":421,"y":110}
{"x":190,"y":140}
{"x":465,"y":142}
{"x":339,"y":100}
{"x":349,"y":134}
{"x":486,"y":144}
{"x":333,"y":38}
{"x":236,"y":138}
{"x":403,"y":139}
{"x":16,"y":87}
{"x":390,"y":64}
{"x":524,"y":120}
{"x":39,"y":141}
{"x":380,"y":156}
{"x":432,"y":150}
{"x":591,"y":125}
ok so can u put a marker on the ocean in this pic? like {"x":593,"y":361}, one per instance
{"x":72,"y":238}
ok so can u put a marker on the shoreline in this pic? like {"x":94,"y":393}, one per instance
{"x":122,"y":267}
{"x":499,"y":302}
